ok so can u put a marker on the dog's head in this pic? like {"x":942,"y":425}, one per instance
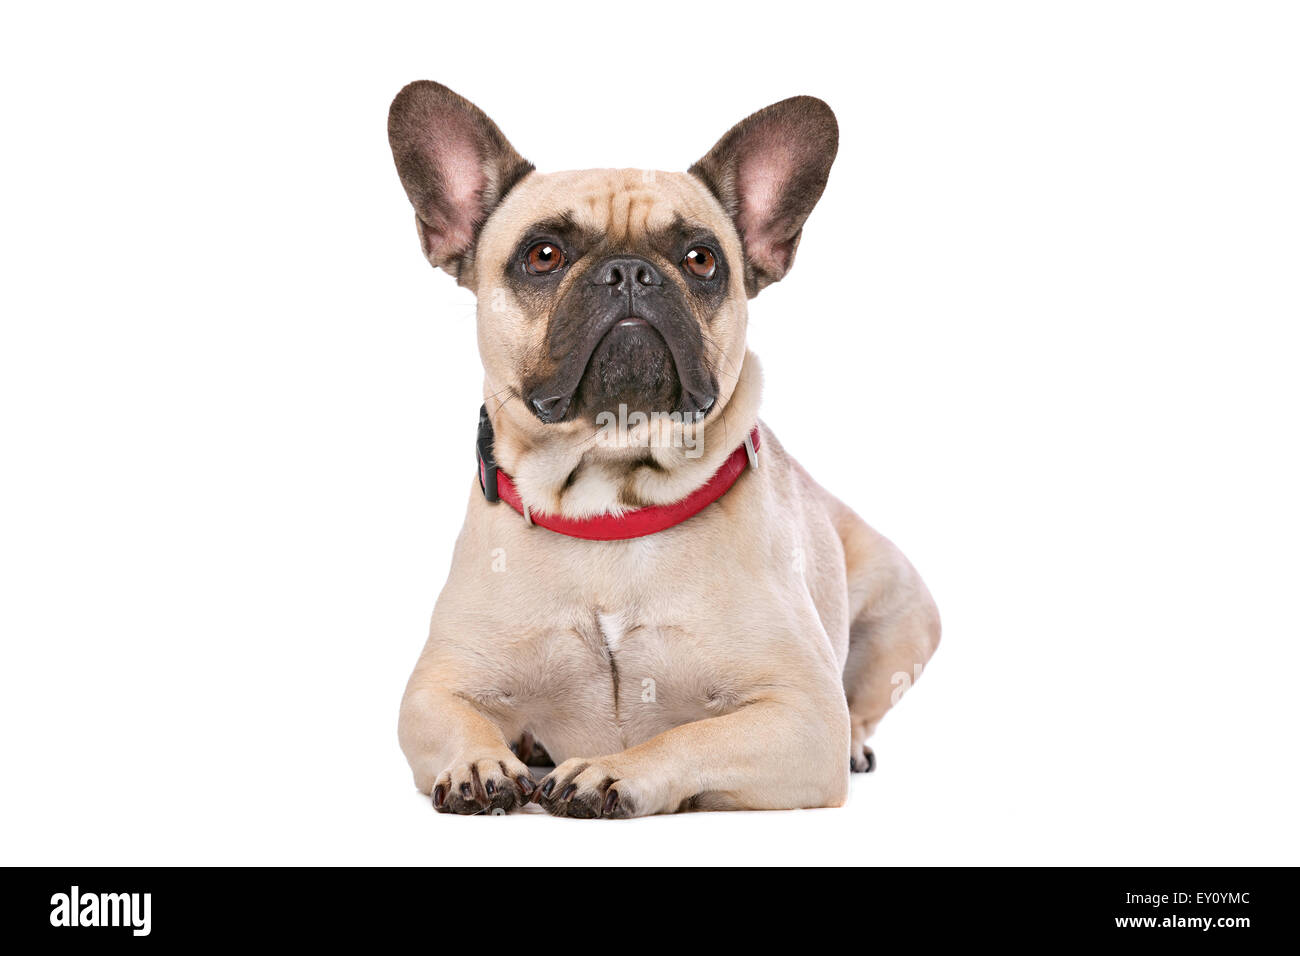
{"x":604,"y":288}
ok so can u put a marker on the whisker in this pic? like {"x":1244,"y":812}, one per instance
{"x":501,"y":403}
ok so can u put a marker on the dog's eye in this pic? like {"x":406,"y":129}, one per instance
{"x":700,"y":263}
{"x":544,"y":257}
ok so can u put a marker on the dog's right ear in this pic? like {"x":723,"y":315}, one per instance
{"x":455,"y":166}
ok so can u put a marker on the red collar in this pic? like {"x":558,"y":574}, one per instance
{"x":498,"y":486}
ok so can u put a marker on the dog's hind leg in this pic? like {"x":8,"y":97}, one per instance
{"x":893,"y":631}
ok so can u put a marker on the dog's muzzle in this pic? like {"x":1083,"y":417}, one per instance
{"x":624,"y":335}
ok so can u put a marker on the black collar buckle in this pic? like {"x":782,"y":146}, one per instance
{"x":487,"y":463}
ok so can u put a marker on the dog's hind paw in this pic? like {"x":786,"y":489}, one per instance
{"x":530,"y":750}
{"x":863,"y":760}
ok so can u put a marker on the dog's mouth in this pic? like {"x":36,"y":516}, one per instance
{"x":652,"y":364}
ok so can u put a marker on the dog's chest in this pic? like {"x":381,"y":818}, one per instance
{"x":618,"y":679}
{"x":610,"y":646}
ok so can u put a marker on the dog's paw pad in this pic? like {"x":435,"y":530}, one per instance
{"x":863,"y":761}
{"x":579,"y":788}
{"x":488,"y":786}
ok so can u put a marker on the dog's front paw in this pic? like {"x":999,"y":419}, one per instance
{"x":591,"y":788}
{"x":489,"y":785}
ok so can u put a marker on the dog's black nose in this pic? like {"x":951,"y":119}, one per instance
{"x":626,"y":273}
{"x":551,"y":409}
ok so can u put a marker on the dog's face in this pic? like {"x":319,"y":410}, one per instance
{"x":609,"y":288}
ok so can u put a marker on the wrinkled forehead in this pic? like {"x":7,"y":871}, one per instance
{"x":622,"y":205}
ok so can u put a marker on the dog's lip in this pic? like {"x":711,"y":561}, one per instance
{"x":554,"y":407}
{"x":568,"y":388}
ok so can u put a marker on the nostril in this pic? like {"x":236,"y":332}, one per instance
{"x":624,"y":273}
{"x":551,"y":409}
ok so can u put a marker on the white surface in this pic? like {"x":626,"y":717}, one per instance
{"x":1041,"y":331}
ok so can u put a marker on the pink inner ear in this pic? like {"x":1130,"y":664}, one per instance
{"x":763,"y":176}
{"x":460,"y":167}
{"x":760,"y":184}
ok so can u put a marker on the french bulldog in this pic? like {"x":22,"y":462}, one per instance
{"x":647,"y":589}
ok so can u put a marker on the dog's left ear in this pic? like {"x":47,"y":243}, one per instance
{"x":768,"y":172}
{"x":455,"y":165}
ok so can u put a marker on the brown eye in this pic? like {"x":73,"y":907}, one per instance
{"x":700,"y":263}
{"x":544,"y":257}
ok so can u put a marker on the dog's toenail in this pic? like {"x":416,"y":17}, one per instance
{"x":569,"y":791}
{"x":439,"y":796}
{"x":526,"y":787}
{"x":490,"y":787}
{"x":547,"y":787}
{"x":466,"y":790}
{"x":611,"y":801}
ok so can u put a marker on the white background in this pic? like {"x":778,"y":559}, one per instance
{"x":1041,"y":332}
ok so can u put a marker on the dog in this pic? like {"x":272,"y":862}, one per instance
{"x":648,"y":591}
